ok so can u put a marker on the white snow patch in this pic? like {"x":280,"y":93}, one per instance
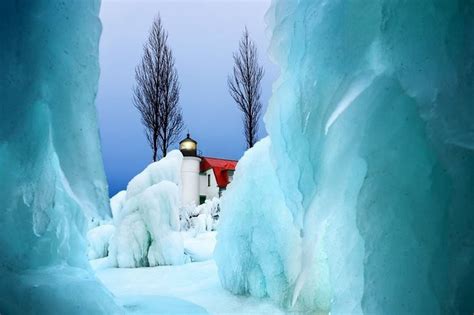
{"x":195,"y":283}
{"x":201,"y":247}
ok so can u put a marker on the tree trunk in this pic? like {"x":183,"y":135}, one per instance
{"x":155,"y":146}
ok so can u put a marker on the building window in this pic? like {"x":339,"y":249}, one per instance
{"x":208,"y":180}
{"x":202,"y":199}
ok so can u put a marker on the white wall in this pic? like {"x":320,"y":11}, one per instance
{"x":213,"y":190}
{"x":190,"y":180}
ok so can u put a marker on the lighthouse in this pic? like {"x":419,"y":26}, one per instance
{"x":189,"y":171}
{"x":202,"y":177}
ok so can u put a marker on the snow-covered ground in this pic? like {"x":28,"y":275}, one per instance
{"x":192,"y":288}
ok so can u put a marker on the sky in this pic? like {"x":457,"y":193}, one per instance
{"x":203,"y":34}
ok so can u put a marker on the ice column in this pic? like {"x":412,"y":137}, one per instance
{"x":51,"y":174}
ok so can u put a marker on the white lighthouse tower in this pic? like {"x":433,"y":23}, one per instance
{"x":189,"y":171}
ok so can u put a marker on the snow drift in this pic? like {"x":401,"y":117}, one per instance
{"x":370,"y":163}
{"x":52,"y":183}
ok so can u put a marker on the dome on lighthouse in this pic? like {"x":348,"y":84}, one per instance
{"x":188,"y":146}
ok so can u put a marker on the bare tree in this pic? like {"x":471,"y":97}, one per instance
{"x":244,"y":86}
{"x":156,"y":93}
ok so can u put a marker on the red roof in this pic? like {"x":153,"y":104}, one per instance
{"x":220,"y":168}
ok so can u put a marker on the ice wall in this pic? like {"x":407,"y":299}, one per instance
{"x":259,"y":247}
{"x":372,"y":138}
{"x":51,"y":175}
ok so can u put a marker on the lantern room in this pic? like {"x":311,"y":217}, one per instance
{"x":188,"y":146}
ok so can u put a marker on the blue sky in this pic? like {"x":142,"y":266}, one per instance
{"x":203,"y":35}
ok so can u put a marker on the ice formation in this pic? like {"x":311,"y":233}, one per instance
{"x":149,"y":225}
{"x":201,"y":218}
{"x":99,"y":240}
{"x":116,"y":204}
{"x":259,"y":249}
{"x":362,"y":199}
{"x":51,"y":175}
{"x":146,"y":217}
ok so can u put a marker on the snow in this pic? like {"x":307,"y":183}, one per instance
{"x":193,"y":287}
{"x":146,"y":304}
{"x":199,"y":247}
{"x":201,"y":218}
